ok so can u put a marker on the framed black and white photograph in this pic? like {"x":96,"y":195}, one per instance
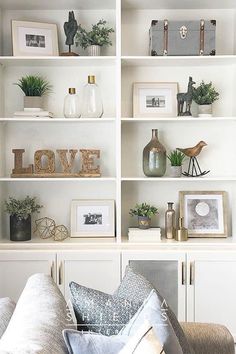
{"x":34,"y":39}
{"x":204,"y":213}
{"x":155,"y":99}
{"x":92,"y":218}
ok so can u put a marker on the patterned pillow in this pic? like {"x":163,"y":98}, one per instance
{"x":92,"y":343}
{"x":7,"y":307}
{"x":143,"y":341}
{"x":154,"y":310}
{"x":136,"y":287}
{"x":100,"y":312}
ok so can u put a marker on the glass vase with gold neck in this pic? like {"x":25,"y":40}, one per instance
{"x":154,"y":157}
{"x":92,"y":106}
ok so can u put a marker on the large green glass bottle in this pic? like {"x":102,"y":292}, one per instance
{"x":154,"y":157}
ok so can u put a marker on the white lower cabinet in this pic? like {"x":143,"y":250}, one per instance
{"x":17,"y":266}
{"x":211,"y":289}
{"x":166,"y":271}
{"x":95,"y":269}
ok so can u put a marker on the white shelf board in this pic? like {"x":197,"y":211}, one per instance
{"x":58,"y":120}
{"x":57,"y":4}
{"x":179,"y":119}
{"x":178,"y":60}
{"x":180,"y":179}
{"x":53,"y":180}
{"x":180,"y":4}
{"x":57,"y":61}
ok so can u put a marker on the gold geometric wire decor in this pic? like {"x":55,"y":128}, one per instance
{"x":47,"y":228}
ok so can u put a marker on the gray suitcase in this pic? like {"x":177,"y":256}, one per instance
{"x":182,"y":37}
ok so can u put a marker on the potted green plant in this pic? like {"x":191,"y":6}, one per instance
{"x":176,"y":159}
{"x":144,"y":212}
{"x":94,"y":39}
{"x":34,"y":88}
{"x":204,"y":95}
{"x":20,"y":211}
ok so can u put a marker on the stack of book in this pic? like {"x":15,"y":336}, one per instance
{"x":149,"y":235}
{"x":33,"y":113}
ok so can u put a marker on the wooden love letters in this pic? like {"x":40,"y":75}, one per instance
{"x":45,"y":164}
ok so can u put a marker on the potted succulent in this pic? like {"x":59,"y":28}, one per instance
{"x":144,"y":212}
{"x":176,"y":159}
{"x":34,"y":88}
{"x":204,"y":95}
{"x":94,"y":39}
{"x":20,"y":211}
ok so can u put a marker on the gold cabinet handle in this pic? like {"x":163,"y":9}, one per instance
{"x":52,"y":270}
{"x":60,"y":273}
{"x":191,"y":280}
{"x":183,"y":273}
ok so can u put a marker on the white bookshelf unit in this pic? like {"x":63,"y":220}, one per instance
{"x":120,"y":137}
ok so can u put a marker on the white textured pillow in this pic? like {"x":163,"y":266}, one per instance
{"x":144,"y":341}
{"x":7,"y":307}
{"x":38,"y":320}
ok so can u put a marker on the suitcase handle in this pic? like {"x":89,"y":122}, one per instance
{"x":202,"y":36}
{"x":165,"y":51}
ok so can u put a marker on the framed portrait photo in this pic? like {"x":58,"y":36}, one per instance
{"x":205,"y":213}
{"x":93,"y":218}
{"x":34,"y":39}
{"x":155,"y":99}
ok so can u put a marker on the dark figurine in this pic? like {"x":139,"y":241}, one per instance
{"x":186,"y":98}
{"x":70,"y":29}
{"x":194,"y":169}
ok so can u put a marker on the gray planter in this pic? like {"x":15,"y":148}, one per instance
{"x":144,"y":222}
{"x":94,"y":50}
{"x":33,"y":102}
{"x":175,"y":171}
{"x":20,"y":230}
{"x":205,"y":110}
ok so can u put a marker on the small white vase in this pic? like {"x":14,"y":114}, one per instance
{"x":175,"y":171}
{"x":205,"y":110}
{"x":33,"y":102}
{"x":94,"y":50}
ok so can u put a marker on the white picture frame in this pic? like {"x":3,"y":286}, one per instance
{"x":204,"y":213}
{"x":93,"y":218}
{"x":155,"y":99}
{"x":34,"y":39}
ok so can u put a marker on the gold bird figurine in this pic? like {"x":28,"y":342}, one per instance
{"x":193,"y":151}
{"x":193,"y":166}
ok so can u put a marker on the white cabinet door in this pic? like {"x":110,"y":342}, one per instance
{"x":166,"y":271}
{"x":17,"y":266}
{"x":211,"y":291}
{"x":95,"y":269}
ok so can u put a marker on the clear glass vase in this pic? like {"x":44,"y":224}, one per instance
{"x":71,"y":104}
{"x":154,"y":157}
{"x":92,"y":106}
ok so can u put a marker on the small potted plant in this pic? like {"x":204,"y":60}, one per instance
{"x":93,"y":40}
{"x":34,"y":88}
{"x":204,"y":95}
{"x":144,"y":212}
{"x":20,"y":211}
{"x":176,"y":159}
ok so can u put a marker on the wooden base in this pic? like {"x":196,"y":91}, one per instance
{"x":69,"y":54}
{"x":56,"y":175}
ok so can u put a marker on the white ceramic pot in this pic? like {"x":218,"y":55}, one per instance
{"x":175,"y":171}
{"x":94,"y":50}
{"x":205,"y":110}
{"x":33,"y":102}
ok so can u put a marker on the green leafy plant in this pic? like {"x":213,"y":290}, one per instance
{"x":205,"y":94}
{"x":34,"y":85}
{"x":22,"y":208}
{"x":176,"y":158}
{"x":99,"y":35}
{"x":143,"y":209}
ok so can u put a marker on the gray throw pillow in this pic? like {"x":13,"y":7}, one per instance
{"x":92,"y":343}
{"x":7,"y":307}
{"x":136,"y":287}
{"x":99,"y":312}
{"x":155,"y":310}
